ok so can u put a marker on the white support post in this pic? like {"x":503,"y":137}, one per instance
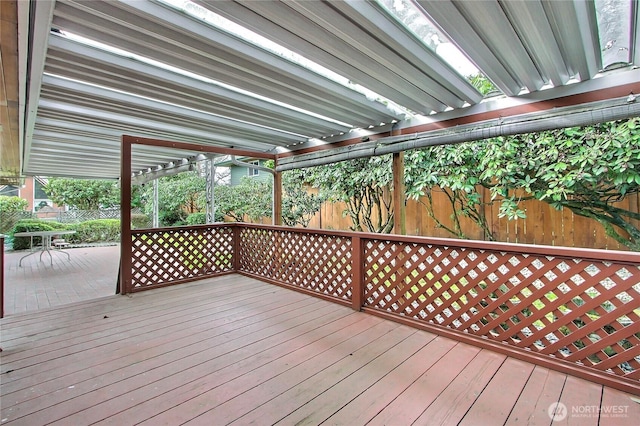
{"x":156,"y":219}
{"x":211,"y":182}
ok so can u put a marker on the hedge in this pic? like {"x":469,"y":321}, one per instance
{"x":30,"y":225}
{"x":91,"y":231}
{"x":94,"y":231}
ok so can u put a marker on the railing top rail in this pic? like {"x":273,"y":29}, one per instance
{"x":555,"y":251}
{"x":186,"y":227}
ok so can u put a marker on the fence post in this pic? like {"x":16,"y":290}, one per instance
{"x":357,"y":284}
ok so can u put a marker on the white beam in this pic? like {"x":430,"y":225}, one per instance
{"x":39,"y":28}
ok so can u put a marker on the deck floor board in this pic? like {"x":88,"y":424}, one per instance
{"x":235,"y":350}
{"x":543,"y":388}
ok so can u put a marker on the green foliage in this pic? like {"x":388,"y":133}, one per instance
{"x":250,"y":199}
{"x":12,"y":204}
{"x":140,"y":221}
{"x":83,"y":194}
{"x":178,"y":196}
{"x":483,"y":84}
{"x":12,"y":209}
{"x":197,"y":219}
{"x":586,"y":170}
{"x":453,"y":169}
{"x":298,"y":205}
{"x":93,"y":231}
{"x":172,"y":218}
{"x":365,"y":186}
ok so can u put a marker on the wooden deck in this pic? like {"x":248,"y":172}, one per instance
{"x":233,"y":350}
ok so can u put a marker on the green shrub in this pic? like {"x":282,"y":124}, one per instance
{"x":140,"y":221}
{"x":91,"y":231}
{"x":197,"y":219}
{"x":12,"y":204}
{"x":171,"y":218}
{"x":30,"y":225}
{"x":94,"y":231}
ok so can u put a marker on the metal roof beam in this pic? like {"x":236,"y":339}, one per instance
{"x":351,"y":36}
{"x":147,"y":71}
{"x":446,"y":84}
{"x":39,"y":25}
{"x":121,"y":120}
{"x":461,"y":32}
{"x":312,"y":41}
{"x":489,"y":20}
{"x":530,"y":21}
{"x":215,"y":54}
{"x":173,"y":111}
{"x":46,"y":139}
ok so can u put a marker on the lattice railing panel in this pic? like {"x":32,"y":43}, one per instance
{"x":176,"y":254}
{"x":583,"y":311}
{"x":314,"y":261}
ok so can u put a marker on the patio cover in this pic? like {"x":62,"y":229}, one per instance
{"x":67,"y":103}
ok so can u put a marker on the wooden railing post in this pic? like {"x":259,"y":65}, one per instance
{"x":125,"y":215}
{"x":277,"y":198}
{"x":236,"y":247}
{"x":399,"y":195}
{"x":1,"y":276}
{"x":357,"y":289}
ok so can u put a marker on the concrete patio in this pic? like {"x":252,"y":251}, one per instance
{"x":90,"y":273}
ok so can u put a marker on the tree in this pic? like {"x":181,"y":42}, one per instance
{"x":250,"y":199}
{"x":83,"y":194}
{"x":298,"y":204}
{"x":12,"y":204}
{"x":586,"y":170}
{"x":365,"y":185}
{"x":452,"y":169}
{"x":178,"y":196}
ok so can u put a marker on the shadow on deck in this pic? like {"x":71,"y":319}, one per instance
{"x":235,"y":350}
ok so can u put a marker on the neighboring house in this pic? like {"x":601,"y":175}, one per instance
{"x":237,"y":172}
{"x":31,"y":190}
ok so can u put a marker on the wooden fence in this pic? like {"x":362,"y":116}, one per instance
{"x":543,"y":225}
{"x":574,"y":310}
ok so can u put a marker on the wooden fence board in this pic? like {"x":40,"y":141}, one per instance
{"x":544,"y":225}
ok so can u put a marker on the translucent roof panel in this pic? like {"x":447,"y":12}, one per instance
{"x":212,"y":18}
{"x":416,"y":21}
{"x":614,"y":30}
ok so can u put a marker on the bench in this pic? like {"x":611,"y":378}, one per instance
{"x":59,"y":243}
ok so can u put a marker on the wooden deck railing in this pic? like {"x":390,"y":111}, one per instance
{"x":575,"y":310}
{"x":167,"y":256}
{"x":1,"y":276}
